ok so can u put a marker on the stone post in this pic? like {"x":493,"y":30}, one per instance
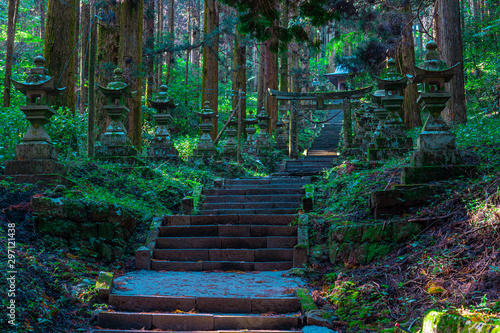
{"x":250,"y":146}
{"x":263,"y":137}
{"x":205,"y":147}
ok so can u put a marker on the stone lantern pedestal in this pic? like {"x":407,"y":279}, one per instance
{"x":250,"y":146}
{"x":205,"y":147}
{"x":115,"y":144}
{"x":263,"y":137}
{"x":231,"y":147}
{"x":36,"y":157}
{"x":280,"y":135}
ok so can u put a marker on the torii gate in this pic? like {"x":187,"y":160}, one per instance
{"x":319,"y":98}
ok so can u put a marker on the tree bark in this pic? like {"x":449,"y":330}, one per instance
{"x":271,"y":81}
{"x":171,"y":37}
{"x":42,"y":10}
{"x":13,"y":10}
{"x":261,"y":82}
{"x":449,"y":39}
{"x":284,"y":52}
{"x":108,"y":39}
{"x":84,"y":50}
{"x":61,"y":36}
{"x":149,"y":23}
{"x":188,"y":51}
{"x":411,"y":110}
{"x":196,"y":33}
{"x":210,"y":71}
{"x":240,"y":74}
{"x":159,"y":41}
{"x":130,"y":60}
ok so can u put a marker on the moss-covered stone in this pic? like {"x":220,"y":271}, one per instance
{"x":306,"y":300}
{"x":442,"y":322}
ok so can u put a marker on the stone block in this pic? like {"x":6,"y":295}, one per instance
{"x":143,"y":258}
{"x":125,"y":320}
{"x":307,"y":204}
{"x":277,"y":305}
{"x":230,"y":255}
{"x":436,"y":141}
{"x":34,"y":167}
{"x":376,"y":154}
{"x":187,"y":206}
{"x":300,"y":255}
{"x":273,"y":266}
{"x":435,"y":158}
{"x":426,"y":174}
{"x":235,"y":231}
{"x":281,"y":242}
{"x":36,"y":151}
{"x":176,"y":220}
{"x":151,"y":303}
{"x":397,"y":142}
{"x":183,"y":322}
{"x":223,"y":322}
{"x":49,"y":207}
{"x":104,"y":285}
{"x":223,"y":305}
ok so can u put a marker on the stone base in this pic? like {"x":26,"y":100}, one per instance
{"x":380,"y":154}
{"x":435,"y":157}
{"x":397,"y":200}
{"x":426,"y":174}
{"x":36,"y":151}
{"x":436,"y":141}
{"x":41,"y":181}
{"x":162,"y":152}
{"x":396,"y":142}
{"x":34,"y":167}
{"x":112,"y":151}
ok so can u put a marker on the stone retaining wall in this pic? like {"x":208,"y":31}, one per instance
{"x":85,"y":227}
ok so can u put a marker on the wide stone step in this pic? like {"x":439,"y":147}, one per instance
{"x":257,"y":255}
{"x":196,"y":321}
{"x":253,"y":198}
{"x":227,"y":230}
{"x":252,"y":205}
{"x":255,"y":191}
{"x":219,"y":304}
{"x":219,"y":331}
{"x":267,"y":211}
{"x":268,"y":242}
{"x":193,"y":266}
{"x":252,"y":219}
{"x":268,"y":181}
{"x":270,"y":186}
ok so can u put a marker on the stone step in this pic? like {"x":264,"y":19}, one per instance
{"x":219,"y":304}
{"x":269,"y":186}
{"x":191,"y":266}
{"x":252,"y":205}
{"x":255,"y":191}
{"x":257,"y":255}
{"x":196,"y":321}
{"x":268,"y":181}
{"x":219,"y":331}
{"x":227,"y":230}
{"x":252,"y":219}
{"x":253,"y":198}
{"x":268,"y":211}
{"x":269,"y":242}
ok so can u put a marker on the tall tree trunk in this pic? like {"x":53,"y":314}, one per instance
{"x":159,"y":41}
{"x":84,"y":50}
{"x":11,"y":34}
{"x":188,"y":37}
{"x":261,"y":82}
{"x":41,"y":10}
{"x":284,"y":52}
{"x":60,"y":40}
{"x":210,"y":71}
{"x":449,"y":39}
{"x":196,"y":33}
{"x":272,"y":80}
{"x":108,"y":39}
{"x":171,"y":37}
{"x":149,"y":23}
{"x":130,"y":60}
{"x":240,"y":74}
{"x":411,"y":110}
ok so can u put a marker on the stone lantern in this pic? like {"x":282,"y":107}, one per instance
{"x":263,"y":137}
{"x":36,"y":157}
{"x":250,"y":144}
{"x":115,"y":143}
{"x":280,"y":134}
{"x":436,"y":157}
{"x":231,"y":147}
{"x":162,"y":147}
{"x":392,"y":140}
{"x":380,"y":113}
{"x":205,"y":145}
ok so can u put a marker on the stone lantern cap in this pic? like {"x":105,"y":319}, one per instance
{"x":38,"y":83}
{"x":116,"y":89}
{"x":433,"y":68}
{"x":392,"y":80}
{"x":206,"y":111}
{"x":377,"y":96}
{"x":251,"y":120}
{"x":263,"y":114}
{"x":163,"y":101}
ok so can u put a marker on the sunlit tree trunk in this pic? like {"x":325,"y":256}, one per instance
{"x":61,"y":36}
{"x":210,"y":71}
{"x":130,"y":60}
{"x":171,"y":36}
{"x":11,"y":33}
{"x":449,"y":39}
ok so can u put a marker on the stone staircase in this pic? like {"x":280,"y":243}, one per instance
{"x":225,"y":272}
{"x":323,"y":151}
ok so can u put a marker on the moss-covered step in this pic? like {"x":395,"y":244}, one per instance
{"x":442,"y":322}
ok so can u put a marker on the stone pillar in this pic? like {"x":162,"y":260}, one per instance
{"x":205,"y":147}
{"x":263,"y":137}
{"x":231,"y":147}
{"x":250,"y":146}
